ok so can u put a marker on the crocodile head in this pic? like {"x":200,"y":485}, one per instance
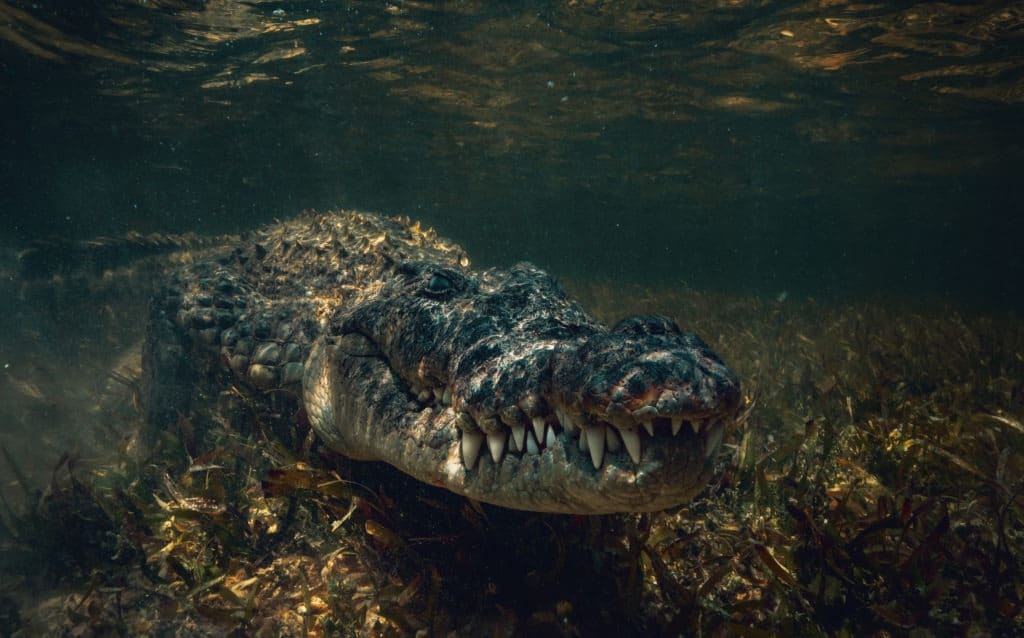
{"x":497,"y":386}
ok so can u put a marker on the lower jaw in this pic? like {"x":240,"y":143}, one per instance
{"x":563,"y":480}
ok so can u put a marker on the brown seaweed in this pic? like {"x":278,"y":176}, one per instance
{"x":873,"y":486}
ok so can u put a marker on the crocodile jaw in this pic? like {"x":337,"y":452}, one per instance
{"x":360,"y":407}
{"x":561,"y":479}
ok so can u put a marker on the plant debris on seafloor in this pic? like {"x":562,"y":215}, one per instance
{"x":872,"y":487}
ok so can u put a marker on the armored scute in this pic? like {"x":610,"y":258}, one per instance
{"x":492,"y":384}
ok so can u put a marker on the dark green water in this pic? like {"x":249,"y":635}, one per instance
{"x":814,"y":148}
{"x":720,"y":159}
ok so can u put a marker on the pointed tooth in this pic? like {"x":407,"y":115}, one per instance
{"x":549,"y":441}
{"x":713,"y":441}
{"x":438,"y":394}
{"x":649,"y":426}
{"x":446,"y":398}
{"x":583,"y":440}
{"x":531,"y":444}
{"x":424,"y":396}
{"x":677,"y":424}
{"x":496,"y":443}
{"x":632,"y":441}
{"x":560,"y":417}
{"x":595,"y":441}
{"x":471,"y":442}
{"x":612,"y":442}
{"x":695,"y":426}
{"x":538,"y":427}
{"x":518,"y":436}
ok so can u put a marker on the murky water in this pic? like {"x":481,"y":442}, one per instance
{"x":818,"y":148}
{"x":827,"y":191}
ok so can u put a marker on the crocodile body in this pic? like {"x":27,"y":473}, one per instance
{"x":492,"y":384}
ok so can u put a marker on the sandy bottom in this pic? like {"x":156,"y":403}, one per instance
{"x":874,"y":484}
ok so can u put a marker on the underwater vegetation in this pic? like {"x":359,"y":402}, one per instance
{"x":872,"y":487}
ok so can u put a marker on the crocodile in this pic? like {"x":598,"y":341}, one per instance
{"x":493,"y":384}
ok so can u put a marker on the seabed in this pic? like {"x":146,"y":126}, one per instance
{"x":872,"y":487}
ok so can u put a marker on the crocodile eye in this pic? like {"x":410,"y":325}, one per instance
{"x":431,"y":281}
{"x":439,"y":283}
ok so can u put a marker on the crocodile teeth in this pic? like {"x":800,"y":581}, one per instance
{"x":531,"y":444}
{"x":594,"y":438}
{"x":496,"y":443}
{"x":612,"y":443}
{"x":424,"y":396}
{"x":446,"y":398}
{"x":714,"y":440}
{"x":595,"y":441}
{"x":471,"y":442}
{"x":538,"y":427}
{"x":632,"y":442}
{"x":518,"y":436}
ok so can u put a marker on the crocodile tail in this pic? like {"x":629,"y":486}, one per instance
{"x":48,"y":258}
